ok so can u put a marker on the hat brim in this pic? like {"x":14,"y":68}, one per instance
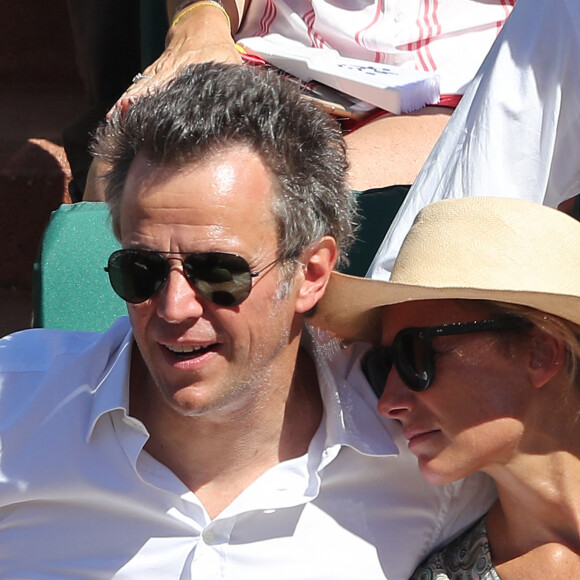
{"x":350,"y":308}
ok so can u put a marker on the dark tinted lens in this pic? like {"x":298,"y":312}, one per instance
{"x":376,"y":366}
{"x":414,"y":359}
{"x":135,"y":276}
{"x":225,"y":279}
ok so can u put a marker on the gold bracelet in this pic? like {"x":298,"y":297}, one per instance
{"x":197,"y":5}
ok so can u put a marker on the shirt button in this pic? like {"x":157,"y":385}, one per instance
{"x":208,"y":536}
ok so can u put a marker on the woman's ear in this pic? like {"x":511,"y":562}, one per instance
{"x":318,"y":261}
{"x":547,"y":357}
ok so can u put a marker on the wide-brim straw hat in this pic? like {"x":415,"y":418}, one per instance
{"x":482,"y":248}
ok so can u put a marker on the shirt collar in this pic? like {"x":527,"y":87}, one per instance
{"x":350,"y":406}
{"x":111,"y":390}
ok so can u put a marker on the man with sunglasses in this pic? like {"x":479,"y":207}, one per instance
{"x":210,"y":435}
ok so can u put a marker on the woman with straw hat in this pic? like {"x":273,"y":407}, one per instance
{"x":478,"y":355}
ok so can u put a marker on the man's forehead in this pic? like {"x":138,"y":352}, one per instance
{"x":223,"y":170}
{"x":224,"y":193}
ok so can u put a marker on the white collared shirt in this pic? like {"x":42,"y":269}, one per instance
{"x":80,"y":498}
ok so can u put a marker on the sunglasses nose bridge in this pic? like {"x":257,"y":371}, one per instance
{"x":163,"y":272}
{"x":170,"y":259}
{"x":184,"y":270}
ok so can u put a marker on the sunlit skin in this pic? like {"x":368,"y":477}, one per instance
{"x":504,"y":406}
{"x":220,"y":205}
{"x":471,"y":416}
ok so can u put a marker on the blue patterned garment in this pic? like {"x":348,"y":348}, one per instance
{"x":465,"y":558}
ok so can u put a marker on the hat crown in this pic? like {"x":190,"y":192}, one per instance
{"x":491,"y":243}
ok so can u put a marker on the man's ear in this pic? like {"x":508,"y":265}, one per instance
{"x":547,"y":357}
{"x":318,"y":261}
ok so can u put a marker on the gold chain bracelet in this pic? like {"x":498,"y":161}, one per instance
{"x":195,"y":5}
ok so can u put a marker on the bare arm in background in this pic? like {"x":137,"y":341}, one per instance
{"x":202,"y":34}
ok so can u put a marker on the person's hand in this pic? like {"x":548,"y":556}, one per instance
{"x":201,"y":36}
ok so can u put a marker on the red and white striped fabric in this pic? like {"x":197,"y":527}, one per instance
{"x":451,"y":37}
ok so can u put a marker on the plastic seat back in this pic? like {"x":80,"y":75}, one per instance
{"x":71,"y":290}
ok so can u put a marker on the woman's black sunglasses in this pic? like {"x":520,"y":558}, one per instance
{"x":222,"y":278}
{"x":413,"y":356}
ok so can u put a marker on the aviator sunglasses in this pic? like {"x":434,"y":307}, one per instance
{"x":222,"y":278}
{"x":413,"y":356}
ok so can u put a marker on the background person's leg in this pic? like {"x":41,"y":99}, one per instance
{"x":391,"y":149}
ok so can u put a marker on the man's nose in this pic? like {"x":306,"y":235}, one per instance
{"x":178,"y":300}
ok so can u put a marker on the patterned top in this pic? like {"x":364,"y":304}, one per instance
{"x":451,"y":37}
{"x":465,"y":558}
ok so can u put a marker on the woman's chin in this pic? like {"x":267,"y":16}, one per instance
{"x":436,"y":474}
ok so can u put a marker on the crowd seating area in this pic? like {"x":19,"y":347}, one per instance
{"x":40,"y":92}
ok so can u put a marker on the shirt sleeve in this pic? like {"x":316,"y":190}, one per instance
{"x":515,"y":132}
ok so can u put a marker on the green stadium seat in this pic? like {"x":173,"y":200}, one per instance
{"x":377,"y":208}
{"x":71,"y":290}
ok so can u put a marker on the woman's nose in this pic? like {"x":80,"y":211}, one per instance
{"x":397,"y":399}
